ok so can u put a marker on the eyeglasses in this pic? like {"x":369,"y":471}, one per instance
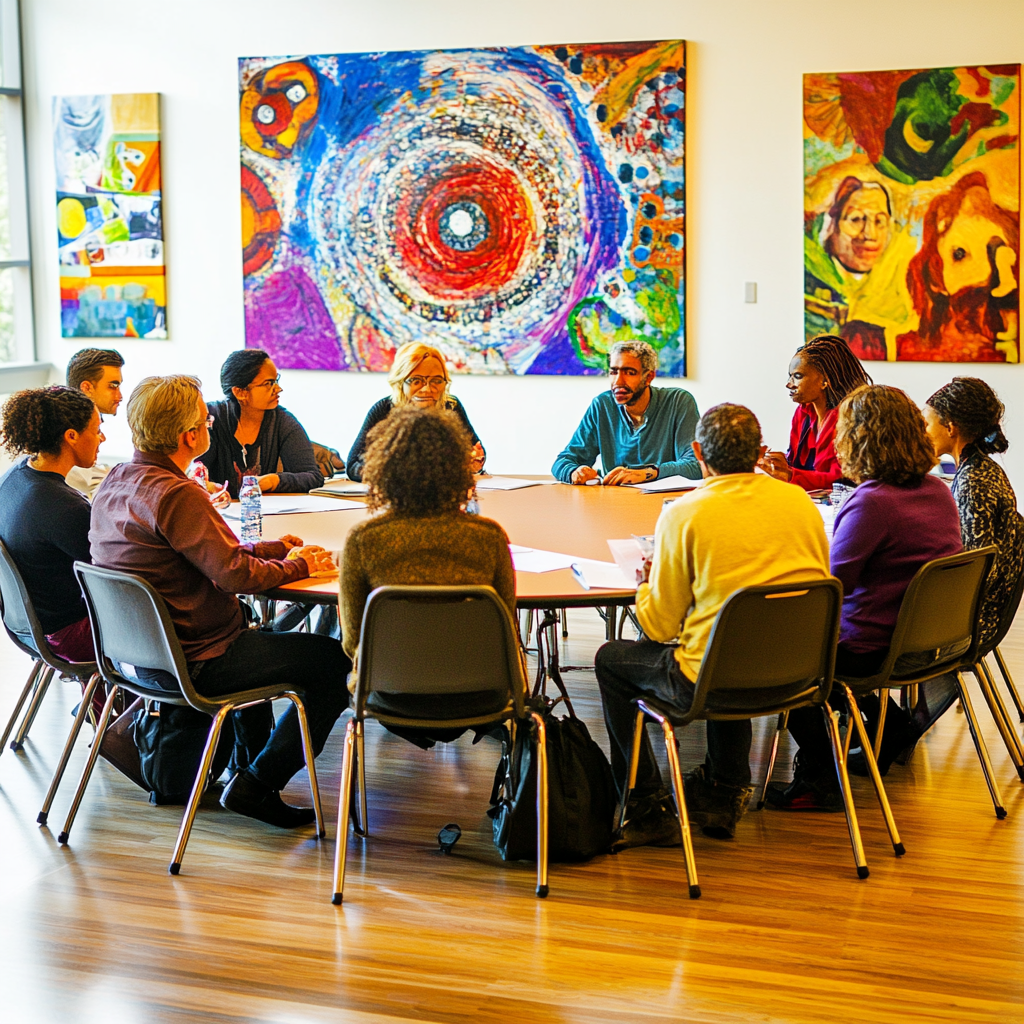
{"x":425,"y":382}
{"x":210,"y":420}
{"x":274,"y":382}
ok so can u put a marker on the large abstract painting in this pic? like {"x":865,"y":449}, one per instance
{"x":109,"y":216}
{"x":520,"y":208}
{"x":912,"y":212}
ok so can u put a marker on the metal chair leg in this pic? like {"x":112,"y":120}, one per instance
{"x":363,"y":829}
{"x":542,"y":804}
{"x":1008,"y":679}
{"x":883,"y":707}
{"x":198,"y":787}
{"x":680,"y":797}
{"x":26,"y":690}
{"x":979,"y":745}
{"x":42,"y":685}
{"x":999,"y":715}
{"x":76,"y":728}
{"x":310,"y":755}
{"x":563,"y":614}
{"x":772,"y":755}
{"x":94,"y":753}
{"x":634,"y":763}
{"x":852,"y":825}
{"x":344,"y":804}
{"x":876,"y":777}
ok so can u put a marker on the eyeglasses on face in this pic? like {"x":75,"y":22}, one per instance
{"x":274,"y":382}
{"x":209,"y":422}
{"x":425,"y":382}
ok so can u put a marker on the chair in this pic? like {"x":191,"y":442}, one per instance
{"x":739,"y":679}
{"x":425,"y":643}
{"x":24,"y":629}
{"x":131,"y":626}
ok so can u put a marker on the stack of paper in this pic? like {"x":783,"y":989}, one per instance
{"x":668,"y":483}
{"x":592,"y":575}
{"x":506,"y":483}
{"x":531,"y":560}
{"x":289,"y":504}
{"x":333,"y":488}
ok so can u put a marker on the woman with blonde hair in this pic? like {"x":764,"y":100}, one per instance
{"x":419,"y":378}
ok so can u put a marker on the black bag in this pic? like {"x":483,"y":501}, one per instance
{"x":171,"y":738}
{"x":581,"y":792}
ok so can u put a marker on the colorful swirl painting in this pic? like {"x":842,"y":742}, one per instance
{"x":520,"y":208}
{"x":912,"y":212}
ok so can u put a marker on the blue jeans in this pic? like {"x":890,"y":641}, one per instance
{"x":627,"y":670}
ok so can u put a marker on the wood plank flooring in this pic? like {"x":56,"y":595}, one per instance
{"x":785,"y":932}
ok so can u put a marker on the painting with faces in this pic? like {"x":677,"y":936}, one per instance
{"x":912,"y":212}
{"x":520,"y":208}
{"x":109,"y":216}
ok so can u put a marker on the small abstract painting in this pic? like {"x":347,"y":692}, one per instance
{"x":912,"y":212}
{"x":519,"y":208}
{"x":109,"y":216}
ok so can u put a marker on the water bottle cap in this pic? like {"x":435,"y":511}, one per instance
{"x":247,"y":480}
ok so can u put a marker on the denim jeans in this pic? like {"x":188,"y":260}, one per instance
{"x":314,"y":666}
{"x":628,"y":669}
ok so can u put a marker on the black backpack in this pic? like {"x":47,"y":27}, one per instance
{"x":581,"y":793}
{"x":171,"y":738}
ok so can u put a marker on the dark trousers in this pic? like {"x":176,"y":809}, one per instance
{"x":628,"y":669}
{"x":314,"y":666}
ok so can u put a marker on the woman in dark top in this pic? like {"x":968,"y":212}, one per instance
{"x":821,"y":375}
{"x":44,"y":523}
{"x":252,"y":435}
{"x":898,"y":518}
{"x":419,"y":377}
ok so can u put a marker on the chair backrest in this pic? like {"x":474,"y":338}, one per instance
{"x":942,"y":606}
{"x":131,"y":626}
{"x":1009,"y":609}
{"x":769,"y":646}
{"x":438,"y":640}
{"x":22,"y":623}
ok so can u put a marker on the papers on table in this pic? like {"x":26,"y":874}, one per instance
{"x":289,"y":504}
{"x":333,"y":488}
{"x":828,"y":515}
{"x":629,"y":557}
{"x":506,"y":483}
{"x":668,"y":483}
{"x":532,"y":560}
{"x":592,"y":575}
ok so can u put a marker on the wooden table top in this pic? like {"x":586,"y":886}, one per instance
{"x":554,"y":517}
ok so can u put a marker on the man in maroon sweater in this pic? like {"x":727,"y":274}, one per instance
{"x":150,"y":519}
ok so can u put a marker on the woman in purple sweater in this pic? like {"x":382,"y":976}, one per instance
{"x":897,"y":519}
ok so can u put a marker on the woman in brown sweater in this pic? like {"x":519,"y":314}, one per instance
{"x":418,"y":468}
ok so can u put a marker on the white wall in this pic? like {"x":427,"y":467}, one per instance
{"x":744,"y":191}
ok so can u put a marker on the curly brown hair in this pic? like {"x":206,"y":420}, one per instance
{"x":880,"y":435}
{"x":418,"y":462}
{"x":35,"y":421}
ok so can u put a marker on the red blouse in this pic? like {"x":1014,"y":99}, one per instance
{"x":812,"y":450}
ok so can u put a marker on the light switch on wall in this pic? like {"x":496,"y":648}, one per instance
{"x":750,"y":291}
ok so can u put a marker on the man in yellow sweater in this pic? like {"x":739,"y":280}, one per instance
{"x":740,"y":529}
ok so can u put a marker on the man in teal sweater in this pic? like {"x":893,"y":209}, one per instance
{"x":640,"y":432}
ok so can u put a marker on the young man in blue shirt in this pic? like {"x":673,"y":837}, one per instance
{"x":640,"y":432}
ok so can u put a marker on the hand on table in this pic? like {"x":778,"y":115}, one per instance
{"x":218,"y":493}
{"x":477,"y":457}
{"x":269,"y":482}
{"x":317,"y":559}
{"x":289,"y":540}
{"x":775,"y":464}
{"x":581,"y":474}
{"x":620,"y":475}
{"x":643,"y":574}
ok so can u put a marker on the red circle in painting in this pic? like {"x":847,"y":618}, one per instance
{"x":261,"y":223}
{"x":277,"y":105}
{"x":503,"y":221}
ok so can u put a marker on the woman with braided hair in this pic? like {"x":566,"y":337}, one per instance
{"x":44,"y":522}
{"x":821,"y":375}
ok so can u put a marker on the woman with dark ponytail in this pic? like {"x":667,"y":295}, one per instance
{"x":253,"y":434}
{"x":964,"y":419}
{"x":44,"y":523}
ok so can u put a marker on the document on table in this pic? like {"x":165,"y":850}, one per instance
{"x":507,"y":483}
{"x":289,"y":504}
{"x":333,"y":488}
{"x":593,"y":575}
{"x":629,"y":556}
{"x":532,"y":560}
{"x":828,"y":515}
{"x":668,"y":483}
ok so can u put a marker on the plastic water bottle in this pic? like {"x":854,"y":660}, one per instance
{"x":473,"y":506}
{"x":249,"y":497}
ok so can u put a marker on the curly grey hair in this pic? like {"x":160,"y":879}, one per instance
{"x":644,"y":352}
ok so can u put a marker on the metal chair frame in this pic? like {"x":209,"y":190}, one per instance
{"x":787,"y":694}
{"x":26,"y":632}
{"x":515,"y":712}
{"x":145,"y":628}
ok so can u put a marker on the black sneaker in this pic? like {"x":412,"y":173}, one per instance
{"x":245,"y":794}
{"x":806,"y":792}
{"x":712,"y":807}
{"x":655,"y":825}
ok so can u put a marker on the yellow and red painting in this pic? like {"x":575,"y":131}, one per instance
{"x":109,"y":216}
{"x":912,"y":212}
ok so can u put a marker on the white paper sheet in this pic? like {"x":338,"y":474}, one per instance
{"x":828,"y":515}
{"x":532,"y":560}
{"x":518,"y":549}
{"x":504,"y":483}
{"x":628,"y":555}
{"x":333,"y":487}
{"x":668,"y":483}
{"x":593,"y":575}
{"x":289,"y":504}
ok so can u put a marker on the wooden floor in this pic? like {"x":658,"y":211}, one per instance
{"x":98,"y":932}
